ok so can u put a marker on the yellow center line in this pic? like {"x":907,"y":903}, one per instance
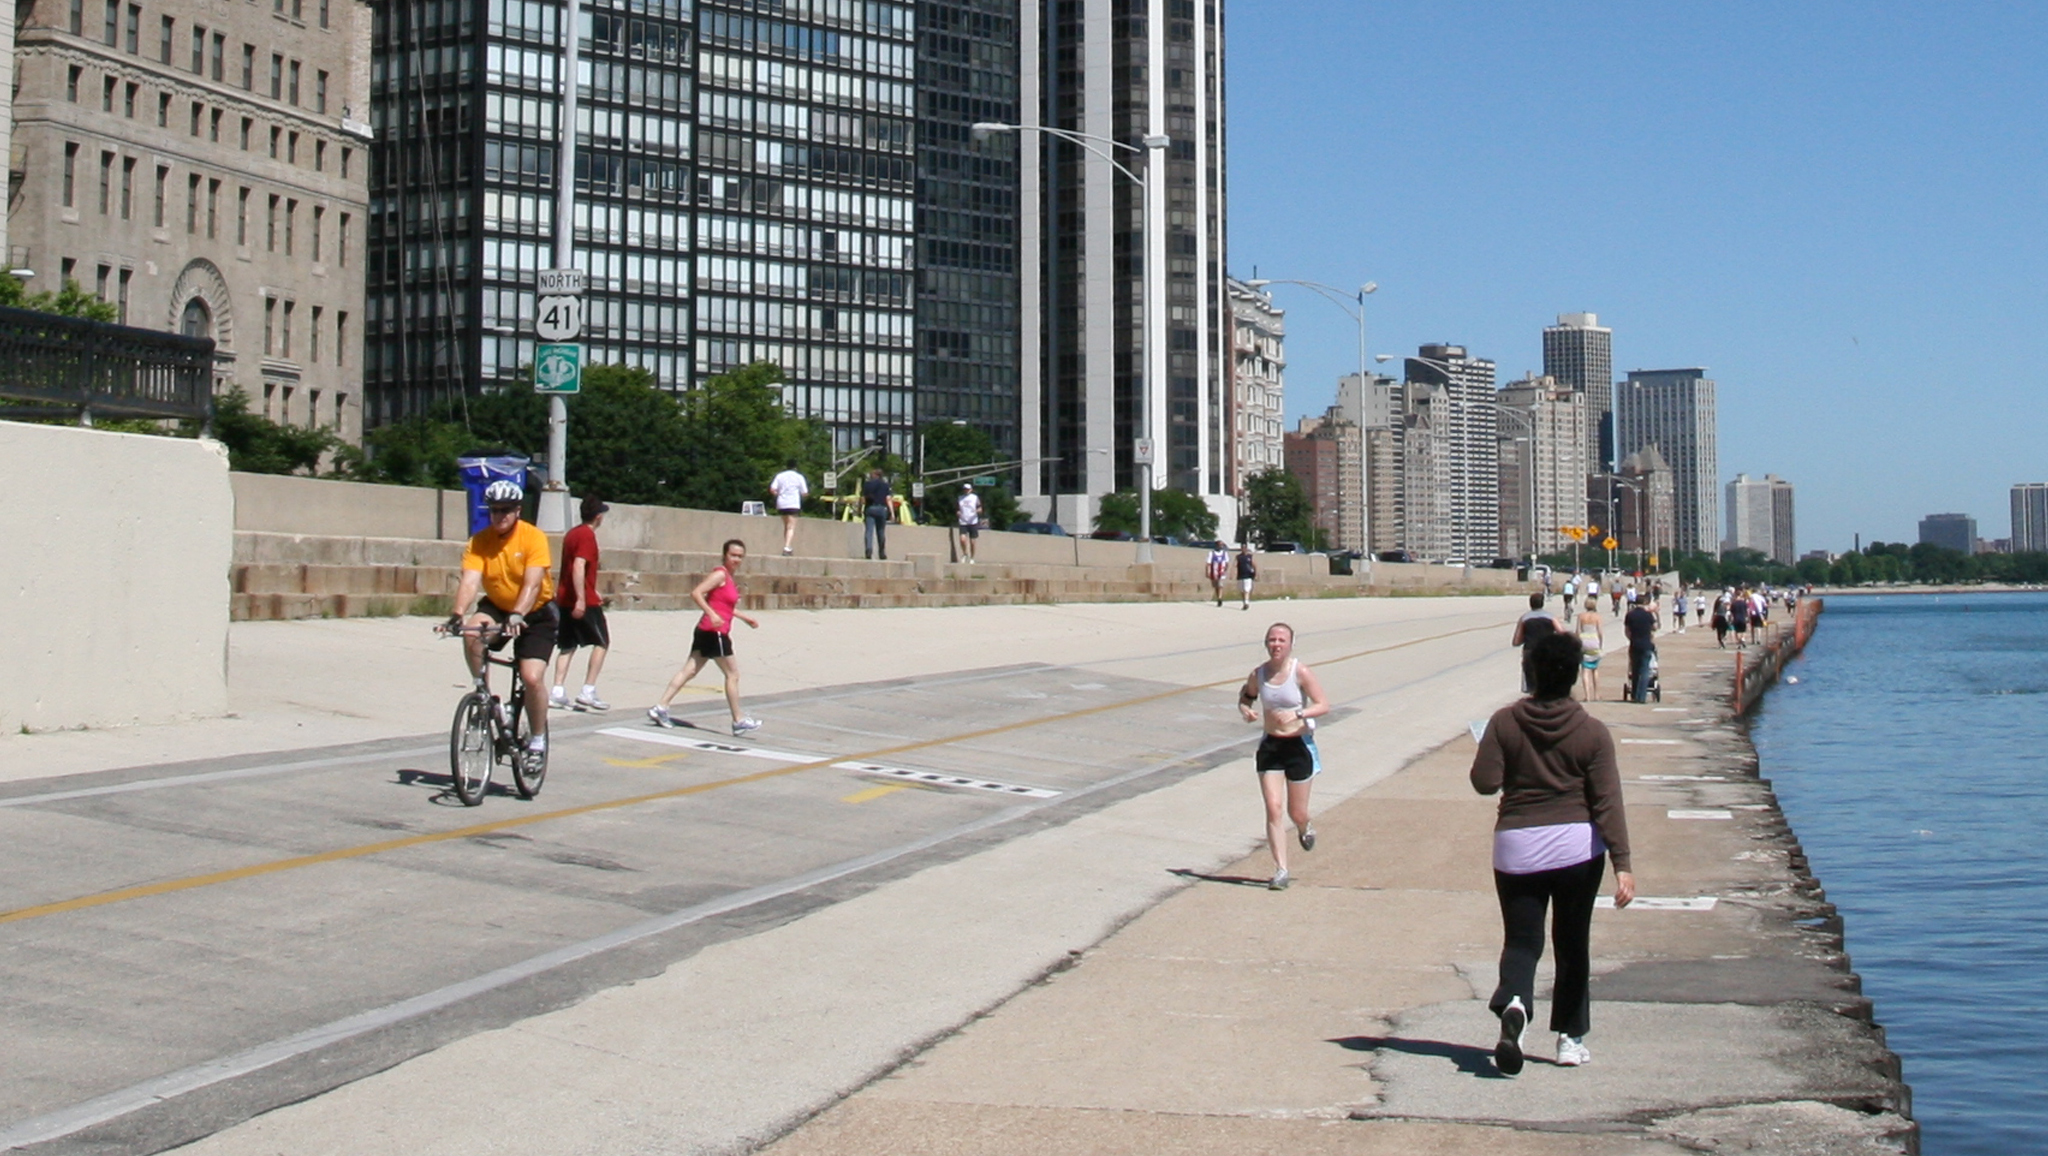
{"x":340,"y":854}
{"x":875,"y":792}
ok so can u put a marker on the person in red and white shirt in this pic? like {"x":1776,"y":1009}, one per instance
{"x":582,"y":612}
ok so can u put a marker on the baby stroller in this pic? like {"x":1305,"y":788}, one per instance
{"x":1654,"y":691}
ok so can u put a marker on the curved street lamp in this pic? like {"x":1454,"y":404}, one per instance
{"x":1154,"y":270}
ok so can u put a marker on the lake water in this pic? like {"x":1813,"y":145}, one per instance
{"x":1911,"y":758}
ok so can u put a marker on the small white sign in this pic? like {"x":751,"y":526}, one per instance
{"x":562,"y":282}
{"x":917,"y":490}
{"x":1141,"y":451}
{"x":558,"y":318}
{"x":831,"y":480}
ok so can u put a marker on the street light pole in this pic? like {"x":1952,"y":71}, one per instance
{"x":555,"y":504}
{"x":1153,"y":288}
{"x":1338,"y":297}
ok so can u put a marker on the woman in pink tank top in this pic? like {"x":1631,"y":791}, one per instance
{"x":718,"y":595}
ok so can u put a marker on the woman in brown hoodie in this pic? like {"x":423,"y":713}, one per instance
{"x":1561,"y":817}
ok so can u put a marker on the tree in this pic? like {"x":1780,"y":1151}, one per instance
{"x":1175,"y":514}
{"x":258,"y":445}
{"x":948,"y":446}
{"x":1276,"y":509}
{"x":71,"y":301}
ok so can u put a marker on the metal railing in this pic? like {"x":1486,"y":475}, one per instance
{"x":95,"y":368}
{"x":1754,"y":674}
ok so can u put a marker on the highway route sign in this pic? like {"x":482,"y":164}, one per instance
{"x":558,"y":319}
{"x":558,"y":368}
{"x":562,"y":282}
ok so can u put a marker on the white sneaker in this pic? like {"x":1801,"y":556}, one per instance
{"x":741,"y":726}
{"x":558,"y":699}
{"x":658,"y":715}
{"x":537,"y":745}
{"x":590,"y":702}
{"x":1514,"y":1021}
{"x":1280,"y":881}
{"x":1571,"y":1051}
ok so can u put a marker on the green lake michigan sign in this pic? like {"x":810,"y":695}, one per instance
{"x":558,"y":367}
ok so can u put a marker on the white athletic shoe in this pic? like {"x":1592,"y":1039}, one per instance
{"x":590,"y":702}
{"x":537,"y":745}
{"x":741,"y":726}
{"x":658,"y":715}
{"x":1280,"y":881}
{"x":558,"y":699}
{"x":1514,"y":1021}
{"x":1571,"y":1051}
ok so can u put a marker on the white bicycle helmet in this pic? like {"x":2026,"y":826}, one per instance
{"x":503,"y":493}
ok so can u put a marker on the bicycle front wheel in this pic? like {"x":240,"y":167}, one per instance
{"x":529,"y":768}
{"x":470,"y":752}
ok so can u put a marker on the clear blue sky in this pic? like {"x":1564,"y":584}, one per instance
{"x":1841,"y":209}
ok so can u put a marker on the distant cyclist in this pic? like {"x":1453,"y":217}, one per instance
{"x":507,"y":563}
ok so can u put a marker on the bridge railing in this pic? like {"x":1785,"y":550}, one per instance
{"x":96,"y":368}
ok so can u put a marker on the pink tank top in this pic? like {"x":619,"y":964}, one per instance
{"x":722,"y":601}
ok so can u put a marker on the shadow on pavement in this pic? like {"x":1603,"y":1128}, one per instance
{"x":1475,"y":1062}
{"x":1239,"y":880}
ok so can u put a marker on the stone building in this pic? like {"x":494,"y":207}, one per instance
{"x":1327,"y":454}
{"x":201,"y":165}
{"x":1543,"y":464}
{"x":1258,"y":363}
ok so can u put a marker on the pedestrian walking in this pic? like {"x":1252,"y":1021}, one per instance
{"x":581,"y":609}
{"x":1738,"y":616}
{"x":1560,"y":819}
{"x":1288,"y":698}
{"x":1641,"y":627}
{"x":1591,"y":643}
{"x":874,"y":497}
{"x":1699,"y":610}
{"x":1678,"y":609}
{"x":1247,"y":573}
{"x":1218,"y":568}
{"x":718,"y":596}
{"x":1530,"y":628}
{"x":789,"y":490}
{"x":968,"y":518}
{"x":1721,"y":620}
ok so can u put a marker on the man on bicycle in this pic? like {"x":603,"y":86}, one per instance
{"x":508,"y":564}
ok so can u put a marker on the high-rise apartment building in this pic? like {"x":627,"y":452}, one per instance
{"x":2030,"y":517}
{"x":1542,"y":464}
{"x":1644,"y":515}
{"x":1258,"y":363}
{"x":1952,"y":531}
{"x":743,"y":192}
{"x":1098,"y":67}
{"x":1372,"y":403}
{"x":1674,"y":410}
{"x":1465,"y":429}
{"x":1760,"y":517}
{"x":1579,"y":353}
{"x":968,"y":321}
{"x":201,"y":166}
{"x":1326,"y":453}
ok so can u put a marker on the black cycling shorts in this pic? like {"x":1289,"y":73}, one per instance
{"x":537,"y":641}
{"x":711,"y":643}
{"x":1292,"y":755}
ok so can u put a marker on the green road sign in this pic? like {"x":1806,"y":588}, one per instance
{"x":985,"y":480}
{"x":558,"y":368}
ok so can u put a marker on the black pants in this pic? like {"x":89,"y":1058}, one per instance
{"x":1523,"y":899}
{"x":1639,"y":672}
{"x":878,"y":531}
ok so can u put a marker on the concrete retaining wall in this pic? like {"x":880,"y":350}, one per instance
{"x":117,"y":603}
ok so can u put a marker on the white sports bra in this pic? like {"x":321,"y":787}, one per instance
{"x":1284,"y":695}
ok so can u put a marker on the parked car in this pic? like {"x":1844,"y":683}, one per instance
{"x":1284,"y":548}
{"x":1395,"y":556}
{"x":1503,"y":564}
{"x":1112,"y":536}
{"x":1052,"y":528}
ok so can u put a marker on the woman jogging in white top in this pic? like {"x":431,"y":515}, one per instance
{"x":1283,"y":695}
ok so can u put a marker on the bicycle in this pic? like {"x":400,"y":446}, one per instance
{"x":488,"y":730}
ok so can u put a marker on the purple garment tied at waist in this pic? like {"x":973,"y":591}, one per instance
{"x":1527,"y":850}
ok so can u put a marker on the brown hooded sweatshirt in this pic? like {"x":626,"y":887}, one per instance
{"x":1553,"y":763}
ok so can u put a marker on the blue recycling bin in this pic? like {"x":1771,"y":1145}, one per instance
{"x":479,"y":472}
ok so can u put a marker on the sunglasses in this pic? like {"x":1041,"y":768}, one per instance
{"x":501,"y":511}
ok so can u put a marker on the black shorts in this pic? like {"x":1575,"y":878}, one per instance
{"x":537,"y":641}
{"x":711,"y":643}
{"x":589,"y":630}
{"x":1294,"y":756}
{"x":971,"y":530}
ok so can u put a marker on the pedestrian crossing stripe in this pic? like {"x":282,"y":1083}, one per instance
{"x":712,"y":746}
{"x":1700,"y":814}
{"x":900,"y":774}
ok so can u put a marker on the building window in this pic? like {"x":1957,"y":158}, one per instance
{"x":212,"y":209}
{"x":270,"y":225}
{"x":104,"y":277}
{"x":192,"y":205}
{"x":319,"y":221}
{"x":213,"y":126}
{"x":269,"y":328}
{"x":291,"y":91}
{"x":323,"y":13}
{"x":197,"y":110}
{"x":248,"y":68}
{"x":127,"y":187}
{"x":163,"y":110}
{"x":71,"y":84}
{"x":78,"y":17}
{"x":163,"y":182}
{"x":70,"y":172}
{"x":247,"y":124}
{"x":346,"y":153}
{"x":319,"y":156}
{"x":169,"y":28}
{"x":276,"y":77}
{"x":128,"y":100}
{"x":276,"y":135}
{"x":70,"y":267}
{"x":121,"y":303}
{"x":113,"y":32}
{"x":313,"y":347}
{"x":220,"y":52}
{"x":340,"y":344}
{"x":198,"y":50}
{"x":291,"y":149}
{"x":197,"y":321}
{"x":284,"y":336}
{"x":242,"y":217}
{"x":320,"y":91}
{"x":135,"y":30}
{"x":341,"y":247}
{"x":291,"y":212}
{"x":107,"y":95}
{"x":106,"y":180}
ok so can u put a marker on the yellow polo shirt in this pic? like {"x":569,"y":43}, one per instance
{"x":503,"y":563}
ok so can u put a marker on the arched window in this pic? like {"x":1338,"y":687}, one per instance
{"x":198,"y":319}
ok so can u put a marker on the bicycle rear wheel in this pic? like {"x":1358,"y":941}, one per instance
{"x":470,"y":752}
{"x":528,"y":768}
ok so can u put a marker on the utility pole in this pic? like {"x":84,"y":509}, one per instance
{"x":558,"y":318}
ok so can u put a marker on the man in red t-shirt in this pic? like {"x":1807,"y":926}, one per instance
{"x":582,"y":611}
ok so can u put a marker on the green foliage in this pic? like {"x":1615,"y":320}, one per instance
{"x":1277,"y":509}
{"x":1175,"y":514}
{"x":71,"y":301}
{"x":258,"y":445}
{"x":419,"y":451}
{"x":949,"y":447}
